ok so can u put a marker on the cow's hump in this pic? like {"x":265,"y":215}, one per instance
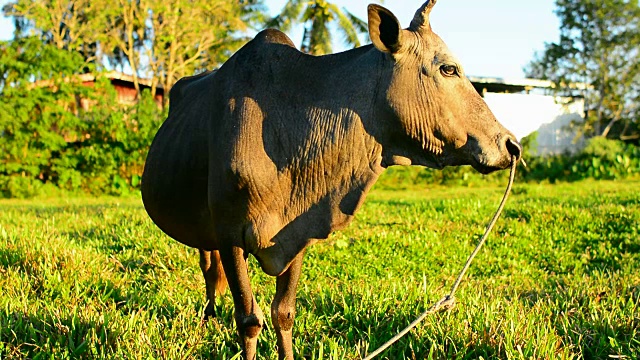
{"x":274,"y":36}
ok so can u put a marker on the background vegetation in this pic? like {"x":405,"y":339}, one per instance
{"x":558,"y":279}
{"x":599,"y":47}
{"x":49,"y":144}
{"x":161,"y":41}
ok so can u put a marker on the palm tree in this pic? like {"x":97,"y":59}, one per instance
{"x":316,"y":16}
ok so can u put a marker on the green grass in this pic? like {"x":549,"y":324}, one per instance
{"x":558,"y":278}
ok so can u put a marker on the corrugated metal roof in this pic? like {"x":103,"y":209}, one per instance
{"x":510,"y":85}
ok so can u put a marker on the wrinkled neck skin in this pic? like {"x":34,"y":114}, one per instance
{"x":407,"y":120}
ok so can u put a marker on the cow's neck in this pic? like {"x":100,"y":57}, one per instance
{"x":341,"y":156}
{"x":344,"y":90}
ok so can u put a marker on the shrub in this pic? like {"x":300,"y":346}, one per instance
{"x":47,"y":138}
{"x":601,"y":158}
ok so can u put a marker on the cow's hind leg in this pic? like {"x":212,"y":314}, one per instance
{"x":248,"y":316}
{"x":214,"y":279}
{"x":283,"y":307}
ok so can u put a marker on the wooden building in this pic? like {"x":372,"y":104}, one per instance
{"x":122,"y":83}
{"x":124,"y":86}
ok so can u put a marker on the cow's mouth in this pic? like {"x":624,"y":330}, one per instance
{"x":485,"y":166}
{"x":487,"y":169}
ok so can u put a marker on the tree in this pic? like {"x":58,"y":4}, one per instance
{"x":55,"y":130}
{"x":35,"y":121}
{"x":175,"y":50}
{"x":64,"y":23}
{"x":159,"y":40}
{"x":167,"y":40}
{"x":317,"y":16}
{"x":125,"y":34}
{"x":599,"y":46}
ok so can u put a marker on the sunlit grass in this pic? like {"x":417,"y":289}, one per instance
{"x":558,"y":278}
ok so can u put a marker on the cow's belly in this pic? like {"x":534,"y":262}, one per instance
{"x":182,"y":215}
{"x":174,"y":184}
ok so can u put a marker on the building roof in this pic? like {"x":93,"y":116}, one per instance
{"x":89,"y":77}
{"x":506,"y":85}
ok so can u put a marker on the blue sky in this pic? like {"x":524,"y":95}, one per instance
{"x":494,"y":38}
{"x":490,"y":37}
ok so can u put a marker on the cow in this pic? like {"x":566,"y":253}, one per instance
{"x":277,"y":149}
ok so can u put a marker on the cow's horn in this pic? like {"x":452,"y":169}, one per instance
{"x":421,"y":19}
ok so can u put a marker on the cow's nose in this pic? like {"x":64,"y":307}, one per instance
{"x":513,"y":147}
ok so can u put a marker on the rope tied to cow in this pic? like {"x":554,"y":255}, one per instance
{"x":448,"y":301}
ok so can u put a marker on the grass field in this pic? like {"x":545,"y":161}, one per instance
{"x":558,"y":279}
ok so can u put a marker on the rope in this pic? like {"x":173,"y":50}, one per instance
{"x":448,"y":301}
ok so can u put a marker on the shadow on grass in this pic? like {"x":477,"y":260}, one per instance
{"x":518,"y":214}
{"x":357,"y":325}
{"x":592,"y":322}
{"x":47,"y":210}
{"x":32,"y":336}
{"x":14,"y":258}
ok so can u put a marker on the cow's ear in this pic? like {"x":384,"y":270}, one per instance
{"x":384,"y":29}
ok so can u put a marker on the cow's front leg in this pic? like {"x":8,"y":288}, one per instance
{"x":283,"y":307}
{"x":248,"y":316}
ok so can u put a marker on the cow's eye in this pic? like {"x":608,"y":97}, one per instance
{"x":449,"y":70}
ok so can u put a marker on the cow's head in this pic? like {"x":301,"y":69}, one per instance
{"x":433,"y":115}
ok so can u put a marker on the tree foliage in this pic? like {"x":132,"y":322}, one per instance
{"x":161,"y":41}
{"x":47,"y":135}
{"x":599,"y":46}
{"x":176,"y":50}
{"x":317,"y":16}
{"x":67,"y":24}
{"x":57,"y":132}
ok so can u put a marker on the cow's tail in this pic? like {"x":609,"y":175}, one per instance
{"x":214,"y":277}
{"x":221,"y":278}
